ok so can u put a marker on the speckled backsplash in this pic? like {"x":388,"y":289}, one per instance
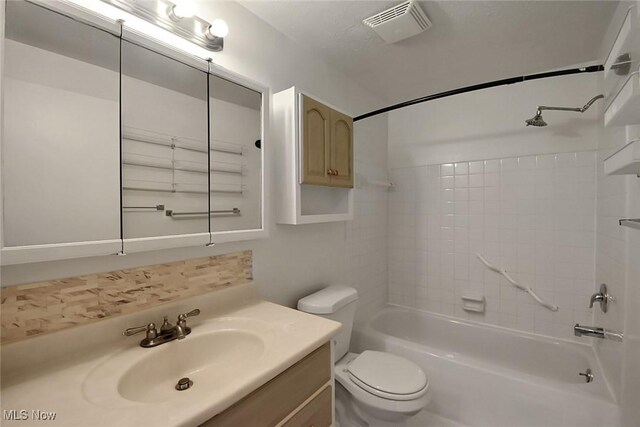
{"x":37,"y":308}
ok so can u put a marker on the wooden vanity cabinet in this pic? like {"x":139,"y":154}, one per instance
{"x":301,"y":396}
{"x":327,"y":145}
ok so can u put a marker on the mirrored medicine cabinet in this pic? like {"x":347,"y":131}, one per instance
{"x":113,"y":143}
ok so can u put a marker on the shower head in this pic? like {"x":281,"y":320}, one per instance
{"x":536,"y":120}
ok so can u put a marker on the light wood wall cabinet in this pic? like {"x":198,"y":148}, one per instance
{"x":313,"y":147}
{"x":327,"y":145}
{"x":301,"y":396}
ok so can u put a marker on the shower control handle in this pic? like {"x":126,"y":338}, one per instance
{"x":602,"y":297}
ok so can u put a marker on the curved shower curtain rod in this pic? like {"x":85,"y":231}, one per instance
{"x":509,"y":81}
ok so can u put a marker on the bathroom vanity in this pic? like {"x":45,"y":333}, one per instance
{"x":303,"y":394}
{"x":250,"y":362}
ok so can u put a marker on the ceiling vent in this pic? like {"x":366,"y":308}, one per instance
{"x":400,"y":22}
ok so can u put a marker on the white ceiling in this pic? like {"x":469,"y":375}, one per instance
{"x":470,"y":42}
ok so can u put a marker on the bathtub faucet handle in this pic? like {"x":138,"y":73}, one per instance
{"x":588,"y":376}
{"x":595,"y":298}
{"x":602,"y":297}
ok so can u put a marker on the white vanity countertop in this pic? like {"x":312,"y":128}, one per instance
{"x":64,"y":373}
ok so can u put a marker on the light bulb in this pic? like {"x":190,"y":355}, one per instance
{"x":218,"y":28}
{"x":180,"y":10}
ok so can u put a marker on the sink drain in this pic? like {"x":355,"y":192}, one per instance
{"x":184,"y":384}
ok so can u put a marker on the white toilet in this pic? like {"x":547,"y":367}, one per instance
{"x":373,"y":388}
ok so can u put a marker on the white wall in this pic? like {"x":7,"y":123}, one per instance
{"x":294,"y":260}
{"x":523,"y":196}
{"x":489,"y":124}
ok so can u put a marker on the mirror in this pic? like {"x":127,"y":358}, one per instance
{"x":95,"y":121}
{"x":164,"y":145}
{"x":236,"y":156}
{"x":60,"y":160}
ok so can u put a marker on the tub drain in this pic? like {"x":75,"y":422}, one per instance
{"x":184,"y":384}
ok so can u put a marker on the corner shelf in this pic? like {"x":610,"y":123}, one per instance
{"x":622,"y":73}
{"x":624,"y":109}
{"x":624,"y":55}
{"x":632,"y":223}
{"x":625,"y":161}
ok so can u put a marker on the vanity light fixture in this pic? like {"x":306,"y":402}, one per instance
{"x":177,"y":18}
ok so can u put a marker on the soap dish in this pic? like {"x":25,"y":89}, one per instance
{"x":473,"y":303}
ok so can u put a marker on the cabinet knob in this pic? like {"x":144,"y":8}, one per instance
{"x":335,"y":172}
{"x":330,"y":172}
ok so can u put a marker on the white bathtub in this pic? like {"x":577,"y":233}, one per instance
{"x":487,"y":376}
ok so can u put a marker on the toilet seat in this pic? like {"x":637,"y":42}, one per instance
{"x":387,"y":376}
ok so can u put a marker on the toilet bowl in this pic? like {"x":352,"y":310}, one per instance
{"x":379,"y":388}
{"x":374,"y":388}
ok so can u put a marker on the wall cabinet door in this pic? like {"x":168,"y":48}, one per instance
{"x":341,"y":150}
{"x":164,"y":150}
{"x":316,"y":119}
{"x":60,"y":156}
{"x":327,"y":145}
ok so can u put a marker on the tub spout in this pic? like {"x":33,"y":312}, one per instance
{"x":596,"y":332}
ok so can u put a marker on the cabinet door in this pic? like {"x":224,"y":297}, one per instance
{"x":274,"y":401}
{"x":341,"y":150}
{"x":316,"y":133}
{"x":316,"y":413}
{"x":165,"y":152}
{"x":60,"y":142}
{"x":236,"y":161}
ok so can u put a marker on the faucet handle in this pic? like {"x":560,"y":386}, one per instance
{"x":150,"y":329}
{"x":595,"y":298}
{"x":602,"y":297}
{"x":166,"y":325}
{"x":192,"y":313}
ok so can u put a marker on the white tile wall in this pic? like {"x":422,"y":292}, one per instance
{"x":366,"y":235}
{"x":367,"y":246}
{"x":611,"y":260}
{"x":533,"y":216}
{"x":618,"y":197}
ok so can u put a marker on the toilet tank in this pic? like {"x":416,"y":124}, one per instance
{"x":336,"y":303}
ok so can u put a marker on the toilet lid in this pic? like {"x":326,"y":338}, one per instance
{"x":388,"y":376}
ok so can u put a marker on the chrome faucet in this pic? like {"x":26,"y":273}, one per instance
{"x":168,"y":332}
{"x":597,"y":332}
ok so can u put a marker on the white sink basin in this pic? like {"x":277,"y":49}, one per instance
{"x":213,"y":355}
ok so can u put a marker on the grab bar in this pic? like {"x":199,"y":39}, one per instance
{"x":155,"y":208}
{"x":232,"y":212}
{"x":516,"y":284}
